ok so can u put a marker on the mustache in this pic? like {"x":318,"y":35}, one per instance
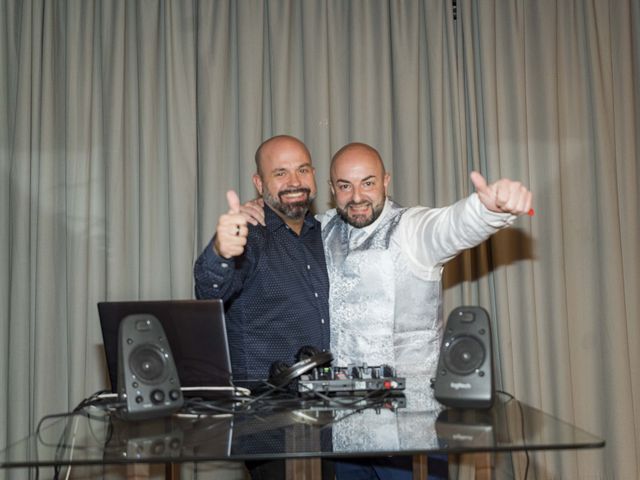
{"x":356,"y":204}
{"x":294,"y":190}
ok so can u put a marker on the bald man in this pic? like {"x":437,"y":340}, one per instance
{"x":385,"y":266}
{"x":272,"y":278}
{"x":385,"y":262}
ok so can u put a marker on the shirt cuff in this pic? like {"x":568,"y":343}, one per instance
{"x":220,"y":267}
{"x":493,"y":219}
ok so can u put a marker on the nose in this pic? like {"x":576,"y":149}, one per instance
{"x":356,"y":197}
{"x":294,"y":179}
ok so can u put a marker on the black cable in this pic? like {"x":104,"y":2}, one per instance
{"x":90,"y":399}
{"x":61,"y":444}
{"x":205,"y":405}
{"x":507,"y":394}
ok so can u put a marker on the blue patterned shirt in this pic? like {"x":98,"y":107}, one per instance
{"x":276,"y":294}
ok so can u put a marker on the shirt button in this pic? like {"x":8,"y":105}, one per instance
{"x":322,"y":321}
{"x":215,"y":285}
{"x":224,"y":264}
{"x":316,"y":294}
{"x":308,"y":267}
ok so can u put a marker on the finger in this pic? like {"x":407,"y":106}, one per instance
{"x":520,"y":207}
{"x":518,"y":201}
{"x":479,"y":182}
{"x":233,"y":201}
{"x":228,"y":244}
{"x":252,"y":220}
{"x":238,"y":230}
{"x":523,"y":201}
{"x":230,"y":220}
{"x":253,"y":213}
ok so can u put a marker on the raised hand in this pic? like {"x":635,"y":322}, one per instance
{"x":504,"y":195}
{"x":232,"y":230}
{"x":253,"y":211}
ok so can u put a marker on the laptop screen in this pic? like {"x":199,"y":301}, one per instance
{"x":195,"y":330}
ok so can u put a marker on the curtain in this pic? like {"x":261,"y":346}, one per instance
{"x":552,"y":95}
{"x":122,"y":125}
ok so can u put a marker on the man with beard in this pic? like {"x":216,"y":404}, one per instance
{"x":385,"y":265}
{"x":272,"y":278}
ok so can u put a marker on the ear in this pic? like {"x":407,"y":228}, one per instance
{"x":385,"y":182}
{"x":333,"y":191}
{"x":257,"y":182}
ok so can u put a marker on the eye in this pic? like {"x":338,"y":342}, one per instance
{"x":304,"y":170}
{"x":344,"y":187}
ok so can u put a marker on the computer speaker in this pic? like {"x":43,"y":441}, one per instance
{"x":147,"y":377}
{"x":464,"y":378}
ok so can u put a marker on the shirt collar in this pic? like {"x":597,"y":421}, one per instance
{"x":273,"y":222}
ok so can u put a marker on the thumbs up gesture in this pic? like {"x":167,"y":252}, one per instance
{"x":503,"y":196}
{"x":232,"y":230}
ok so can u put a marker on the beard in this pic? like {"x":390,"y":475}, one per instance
{"x":291,"y":210}
{"x":360,"y":221}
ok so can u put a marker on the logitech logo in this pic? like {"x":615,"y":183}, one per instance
{"x":460,"y":386}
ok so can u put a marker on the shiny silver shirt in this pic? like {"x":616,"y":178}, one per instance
{"x":385,"y":285}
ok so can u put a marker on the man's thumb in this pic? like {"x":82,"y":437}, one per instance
{"x":233,"y":201}
{"x":479,"y":182}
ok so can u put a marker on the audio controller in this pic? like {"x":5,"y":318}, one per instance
{"x":351,"y":379}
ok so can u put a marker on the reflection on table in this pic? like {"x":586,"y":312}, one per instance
{"x":294,"y":428}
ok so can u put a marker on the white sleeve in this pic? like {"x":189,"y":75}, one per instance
{"x":432,"y":236}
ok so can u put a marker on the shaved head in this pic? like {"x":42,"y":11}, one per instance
{"x":274,"y":144}
{"x":353,"y":150}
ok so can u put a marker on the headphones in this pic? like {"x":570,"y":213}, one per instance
{"x":307,"y":358}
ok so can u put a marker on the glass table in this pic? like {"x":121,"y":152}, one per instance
{"x":291,"y":428}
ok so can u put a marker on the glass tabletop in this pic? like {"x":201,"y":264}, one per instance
{"x":292,"y":428}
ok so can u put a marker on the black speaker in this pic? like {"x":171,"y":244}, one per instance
{"x":464,"y":378}
{"x":147,"y":378}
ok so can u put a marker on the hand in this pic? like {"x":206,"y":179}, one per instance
{"x":504,"y":196}
{"x":232,"y":229}
{"x":253,"y":211}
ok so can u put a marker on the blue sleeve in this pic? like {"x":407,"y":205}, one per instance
{"x":216,"y":276}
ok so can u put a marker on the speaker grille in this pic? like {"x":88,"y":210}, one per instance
{"x":464,"y":355}
{"x":148,"y":364}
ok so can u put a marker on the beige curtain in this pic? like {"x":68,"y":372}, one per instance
{"x":123,"y":123}
{"x":552,"y":94}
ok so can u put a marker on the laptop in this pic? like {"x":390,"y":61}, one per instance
{"x":195,"y":330}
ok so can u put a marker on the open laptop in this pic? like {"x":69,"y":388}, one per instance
{"x":196,"y":333}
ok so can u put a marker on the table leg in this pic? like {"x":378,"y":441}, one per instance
{"x":172,"y":471}
{"x":474,"y":466}
{"x":304,"y":469}
{"x":420,"y":467}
